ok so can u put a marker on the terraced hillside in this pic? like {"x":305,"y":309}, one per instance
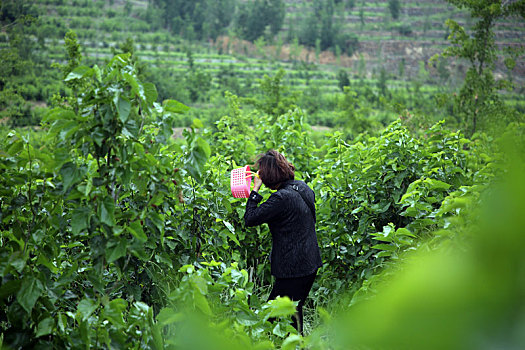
{"x":417,"y":34}
{"x":395,"y":51}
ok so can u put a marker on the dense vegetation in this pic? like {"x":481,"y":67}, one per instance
{"x":115,"y":234}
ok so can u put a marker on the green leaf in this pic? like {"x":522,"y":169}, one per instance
{"x":231,"y":232}
{"x":250,"y":148}
{"x":106,"y":211}
{"x":291,"y":342}
{"x":18,"y":261}
{"x":279,"y":330}
{"x":67,"y":129}
{"x":29,"y":292}
{"x":135,"y":228}
{"x":70,"y":175}
{"x":383,"y":253}
{"x":199,"y":154}
{"x":410,"y":211}
{"x":80,"y":219}
{"x":86,"y":307}
{"x":136,"y":88}
{"x":204,"y":146}
{"x":116,"y":250}
{"x":201,"y":303}
{"x":62,"y":322}
{"x":158,"y":339}
{"x":123,"y":109}
{"x":45,"y":327}
{"x":384,"y":247}
{"x":43,"y":260}
{"x":404,"y":232}
{"x":157,"y":220}
{"x":120,"y":59}
{"x":79,"y":73}
{"x":15,"y":148}
{"x":226,"y":204}
{"x":175,"y":107}
{"x":436,"y":184}
{"x":150,"y":91}
{"x":197,"y":123}
{"x":169,"y":315}
{"x":264,"y":345}
{"x":58,"y":114}
{"x":246,"y":318}
{"x":9,"y":288}
{"x":98,"y":73}
{"x":98,"y":136}
{"x":113,"y":312}
{"x":282,"y":306}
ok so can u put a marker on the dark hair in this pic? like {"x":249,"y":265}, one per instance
{"x":274,"y":169}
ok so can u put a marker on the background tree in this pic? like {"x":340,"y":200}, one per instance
{"x":275,"y":99}
{"x":309,"y":31}
{"x":394,"y":6}
{"x":478,"y":103}
{"x":328,"y":31}
{"x":254,"y":17}
{"x":342,"y":79}
{"x":323,"y":27}
{"x":201,"y":19}
{"x":219,"y":15}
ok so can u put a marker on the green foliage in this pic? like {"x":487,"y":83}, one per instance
{"x":257,"y":15}
{"x":276,"y":99}
{"x":115,"y":235}
{"x":342,"y":77}
{"x":442,"y":293}
{"x":478,"y":104}
{"x":378,"y":192}
{"x":73,"y":52}
{"x":87,"y":213}
{"x":394,"y":6}
{"x":201,"y":19}
{"x":353,"y":116}
{"x":321,"y":28}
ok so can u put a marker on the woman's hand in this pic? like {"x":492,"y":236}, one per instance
{"x":257,"y":182}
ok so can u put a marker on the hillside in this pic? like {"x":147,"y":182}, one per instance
{"x":382,"y":53}
{"x":415,"y":36}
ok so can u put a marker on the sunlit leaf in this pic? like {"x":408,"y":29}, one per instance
{"x":282,"y":306}
{"x":86,"y":307}
{"x":175,"y":106}
{"x":79,"y":73}
{"x":114,"y":310}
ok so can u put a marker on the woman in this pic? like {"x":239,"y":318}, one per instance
{"x":290,"y":215}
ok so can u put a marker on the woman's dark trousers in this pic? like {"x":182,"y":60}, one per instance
{"x":296,"y":289}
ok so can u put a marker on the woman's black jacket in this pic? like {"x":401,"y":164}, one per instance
{"x":295,"y":252}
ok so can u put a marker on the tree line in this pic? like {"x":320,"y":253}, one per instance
{"x":251,"y":20}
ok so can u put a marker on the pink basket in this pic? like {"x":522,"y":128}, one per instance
{"x":240,"y":182}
